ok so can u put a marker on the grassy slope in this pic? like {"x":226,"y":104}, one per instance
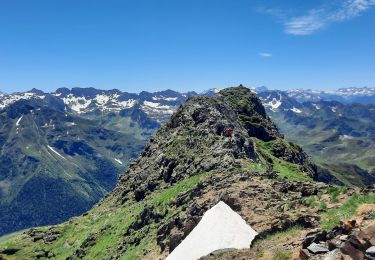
{"x":107,"y":224}
{"x":283,"y":168}
{"x":332,"y":154}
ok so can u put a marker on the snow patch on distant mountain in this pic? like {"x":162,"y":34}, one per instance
{"x":274,"y":104}
{"x":157,"y":108}
{"x":103,"y":102}
{"x":155,"y":105}
{"x":296,"y":110}
{"x":112,"y":102}
{"x":316,"y":106}
{"x":77,"y":104}
{"x":165,"y":98}
{"x":19,"y":120}
{"x":345,"y":137}
{"x":56,"y":152}
{"x":119,"y":161}
{"x":6,"y":100}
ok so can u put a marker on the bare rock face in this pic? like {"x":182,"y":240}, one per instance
{"x":195,"y":140}
{"x":346,"y":240}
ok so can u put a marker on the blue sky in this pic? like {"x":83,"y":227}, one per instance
{"x":186,"y":44}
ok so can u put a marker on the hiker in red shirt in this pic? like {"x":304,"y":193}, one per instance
{"x":229,"y":132}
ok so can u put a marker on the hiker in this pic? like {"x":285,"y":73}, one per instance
{"x":229,"y":132}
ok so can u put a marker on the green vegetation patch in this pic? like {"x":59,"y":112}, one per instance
{"x":282,"y":254}
{"x":270,"y":241}
{"x":284,"y":169}
{"x":335,"y":191}
{"x":107,"y":227}
{"x":332,"y":217}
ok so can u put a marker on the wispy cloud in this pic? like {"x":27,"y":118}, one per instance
{"x":265,"y":54}
{"x":305,"y":25}
{"x":319,"y":18}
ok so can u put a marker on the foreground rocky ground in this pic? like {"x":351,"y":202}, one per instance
{"x":353,"y":238}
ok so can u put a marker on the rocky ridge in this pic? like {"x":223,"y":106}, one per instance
{"x":191,"y":164}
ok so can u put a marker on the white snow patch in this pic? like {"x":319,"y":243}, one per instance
{"x":219,"y":228}
{"x":156,"y":105}
{"x":71,"y":124}
{"x":151,"y":104}
{"x":76,"y":103}
{"x":296,"y":110}
{"x":274,"y":104}
{"x":19,"y":120}
{"x":316,"y":106}
{"x":168,"y":111}
{"x":117,"y":160}
{"x":111,"y":102}
{"x":165,"y":98}
{"x":127,"y":103}
{"x":345,"y":137}
{"x":7,"y":100}
{"x":53,"y":150}
{"x":102,"y":99}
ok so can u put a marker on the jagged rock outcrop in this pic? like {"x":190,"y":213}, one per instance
{"x":194,"y":141}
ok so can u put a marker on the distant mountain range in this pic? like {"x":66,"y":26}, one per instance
{"x":91,"y":101}
{"x":363,"y":95}
{"x":340,"y":137}
{"x":78,"y":141}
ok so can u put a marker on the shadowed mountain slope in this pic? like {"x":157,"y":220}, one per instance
{"x":55,"y":165}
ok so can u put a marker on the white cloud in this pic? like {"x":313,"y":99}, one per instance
{"x":319,"y":18}
{"x":305,"y":25}
{"x":265,"y":54}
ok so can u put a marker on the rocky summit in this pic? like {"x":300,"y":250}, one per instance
{"x":221,"y":148}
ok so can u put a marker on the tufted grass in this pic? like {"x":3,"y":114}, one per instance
{"x":332,"y":217}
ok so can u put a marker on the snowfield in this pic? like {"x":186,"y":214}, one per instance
{"x":296,"y":110}
{"x":6,"y":100}
{"x":219,"y":228}
{"x":56,"y":152}
{"x":18,"y":121}
{"x":119,"y":161}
